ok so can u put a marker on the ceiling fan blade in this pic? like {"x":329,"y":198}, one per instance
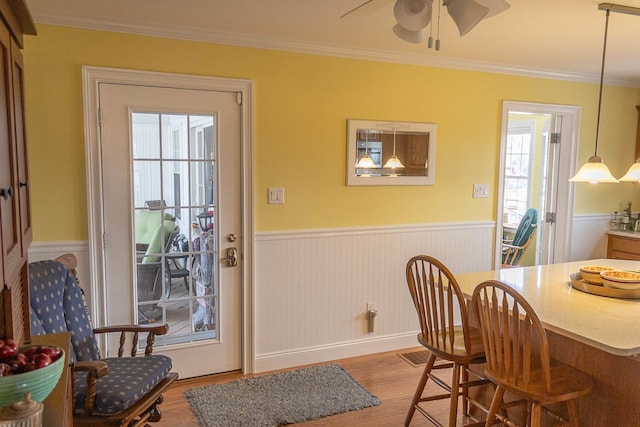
{"x":371,"y":5}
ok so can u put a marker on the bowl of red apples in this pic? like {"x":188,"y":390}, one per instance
{"x":33,"y":369}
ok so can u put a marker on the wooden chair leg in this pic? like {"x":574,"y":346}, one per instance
{"x":536,"y":413}
{"x":495,"y":404}
{"x":465,"y":390}
{"x":455,"y":391}
{"x":573,"y":413}
{"x":419,"y":390}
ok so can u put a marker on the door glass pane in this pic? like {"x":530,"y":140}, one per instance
{"x":175,"y":224}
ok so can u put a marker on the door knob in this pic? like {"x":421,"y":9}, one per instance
{"x":232,"y":257}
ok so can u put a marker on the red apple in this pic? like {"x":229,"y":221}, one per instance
{"x":29,"y":352}
{"x":18,"y":363}
{"x":41,"y":360}
{"x":8,"y":349}
{"x":53,"y":352}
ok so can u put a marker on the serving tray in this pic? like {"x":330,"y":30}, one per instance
{"x":580,"y":284}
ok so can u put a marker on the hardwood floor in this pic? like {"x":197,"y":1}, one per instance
{"x":388,"y":376}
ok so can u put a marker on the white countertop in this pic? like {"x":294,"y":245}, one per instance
{"x":629,"y":234}
{"x":610,"y":324}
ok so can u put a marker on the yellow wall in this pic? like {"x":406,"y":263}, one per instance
{"x":302,"y":103}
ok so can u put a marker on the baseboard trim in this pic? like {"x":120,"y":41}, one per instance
{"x":306,"y":356}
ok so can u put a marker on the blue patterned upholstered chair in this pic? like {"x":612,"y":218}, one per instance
{"x":119,"y":390}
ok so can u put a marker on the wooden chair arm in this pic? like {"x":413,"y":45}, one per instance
{"x":94,"y":369}
{"x":508,"y":246}
{"x":134,"y":331}
{"x":155,"y":329}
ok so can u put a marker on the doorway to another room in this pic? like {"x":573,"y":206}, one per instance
{"x":538,"y":145}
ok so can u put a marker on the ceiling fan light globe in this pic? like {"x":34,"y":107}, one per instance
{"x":413,"y":15}
{"x":466,"y":14}
{"x":408,"y":35}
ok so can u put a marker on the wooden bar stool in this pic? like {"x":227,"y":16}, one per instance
{"x":438,"y":301}
{"x":518,"y":359}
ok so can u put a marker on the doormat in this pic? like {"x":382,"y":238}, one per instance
{"x":416,"y":358}
{"x":278,"y":399}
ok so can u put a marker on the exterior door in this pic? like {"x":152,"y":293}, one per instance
{"x":172,"y":220}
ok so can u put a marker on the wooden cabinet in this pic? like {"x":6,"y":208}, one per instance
{"x":15,"y":218}
{"x":623,"y":247}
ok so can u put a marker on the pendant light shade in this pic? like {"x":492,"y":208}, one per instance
{"x":394,"y":162}
{"x":466,"y":14}
{"x":366,"y":163}
{"x":594,"y":171}
{"x":633,"y":174}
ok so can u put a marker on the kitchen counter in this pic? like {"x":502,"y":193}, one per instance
{"x":598,"y":335}
{"x":629,"y":234}
{"x":610,"y":324}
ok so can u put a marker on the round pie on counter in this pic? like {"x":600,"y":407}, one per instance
{"x":591,"y":273}
{"x":621,"y":279}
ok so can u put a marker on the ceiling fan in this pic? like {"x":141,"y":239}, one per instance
{"x":414,"y":16}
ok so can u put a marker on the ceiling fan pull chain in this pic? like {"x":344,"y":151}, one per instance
{"x":430,"y":41}
{"x":438,"y":36}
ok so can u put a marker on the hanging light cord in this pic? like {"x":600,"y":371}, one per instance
{"x":604,"y":53}
{"x":394,"y":143}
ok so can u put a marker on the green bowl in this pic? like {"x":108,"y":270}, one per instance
{"x":39,"y":382}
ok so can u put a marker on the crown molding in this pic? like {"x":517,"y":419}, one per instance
{"x":264,"y":42}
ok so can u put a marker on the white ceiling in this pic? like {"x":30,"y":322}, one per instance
{"x":555,"y":38}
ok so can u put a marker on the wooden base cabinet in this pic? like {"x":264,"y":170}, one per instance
{"x":15,"y":217}
{"x":623,"y":247}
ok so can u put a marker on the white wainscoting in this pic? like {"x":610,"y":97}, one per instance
{"x":311,"y":287}
{"x":589,"y":237}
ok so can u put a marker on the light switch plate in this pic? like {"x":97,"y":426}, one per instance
{"x":276,"y":195}
{"x":480,"y":190}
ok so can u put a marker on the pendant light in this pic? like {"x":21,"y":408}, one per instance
{"x":365,"y":162}
{"x":595,"y":170}
{"x":394,"y":162}
{"x":633,"y":174}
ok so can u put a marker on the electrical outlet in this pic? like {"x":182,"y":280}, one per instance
{"x":480,"y":190}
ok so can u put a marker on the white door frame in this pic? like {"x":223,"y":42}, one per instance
{"x":568,"y":154}
{"x":92,"y":77}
